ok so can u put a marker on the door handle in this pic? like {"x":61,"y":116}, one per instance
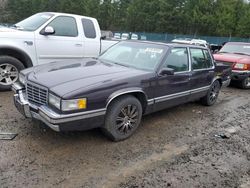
{"x":78,"y":45}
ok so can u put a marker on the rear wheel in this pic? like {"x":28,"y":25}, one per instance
{"x":9,"y":69}
{"x":245,"y":84}
{"x":123,"y":118}
{"x":212,"y":94}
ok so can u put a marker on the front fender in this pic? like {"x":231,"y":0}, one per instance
{"x":123,"y":92}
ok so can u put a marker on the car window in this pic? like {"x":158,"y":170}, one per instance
{"x":199,"y":59}
{"x":64,"y":26}
{"x":208,"y":59}
{"x":177,"y":60}
{"x":88,"y":28}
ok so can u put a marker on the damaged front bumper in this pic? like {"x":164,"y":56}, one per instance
{"x":57,"y":122}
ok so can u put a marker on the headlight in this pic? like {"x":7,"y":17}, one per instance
{"x":22,"y":78}
{"x":55,"y":101}
{"x":240,"y":66}
{"x":77,"y":104}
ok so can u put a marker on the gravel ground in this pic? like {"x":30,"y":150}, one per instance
{"x":186,"y":146}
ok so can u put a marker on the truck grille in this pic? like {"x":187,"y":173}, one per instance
{"x":225,"y":63}
{"x":37,"y":94}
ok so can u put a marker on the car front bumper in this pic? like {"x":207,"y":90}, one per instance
{"x":240,"y":75}
{"x":57,"y":122}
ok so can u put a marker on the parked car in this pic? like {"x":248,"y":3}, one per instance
{"x":107,"y":34}
{"x":129,"y":80}
{"x":47,"y":37}
{"x":117,"y":36}
{"x":236,"y":55}
{"x":134,"y":36}
{"x":125,"y":36}
{"x":198,"y":42}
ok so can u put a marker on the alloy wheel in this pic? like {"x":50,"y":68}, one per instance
{"x":214,"y":92}
{"x":8,"y":74}
{"x":247,"y":82}
{"x":127,"y":119}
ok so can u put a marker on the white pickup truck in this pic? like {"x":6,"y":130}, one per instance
{"x":47,"y":37}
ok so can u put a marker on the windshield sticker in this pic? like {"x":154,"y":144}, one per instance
{"x":246,"y":47}
{"x":154,"y":50}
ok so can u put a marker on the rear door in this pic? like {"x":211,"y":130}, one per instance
{"x":174,"y":89}
{"x":202,"y":72}
{"x":92,"y":38}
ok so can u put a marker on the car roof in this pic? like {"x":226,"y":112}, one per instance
{"x":168,"y":44}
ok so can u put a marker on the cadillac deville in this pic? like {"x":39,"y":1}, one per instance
{"x":116,"y":89}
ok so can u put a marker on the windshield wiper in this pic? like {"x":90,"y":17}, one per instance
{"x":121,"y":64}
{"x":17,"y":27}
{"x":239,"y":53}
{"x":112,"y":62}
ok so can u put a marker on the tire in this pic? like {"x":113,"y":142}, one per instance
{"x":123,"y":118}
{"x":212,"y":94}
{"x":9,"y":69}
{"x":245,"y":84}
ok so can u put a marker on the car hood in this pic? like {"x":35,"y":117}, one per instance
{"x":232,"y":58}
{"x":63,"y":78}
{"x":6,"y":32}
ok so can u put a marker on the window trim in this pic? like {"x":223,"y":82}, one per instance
{"x":58,"y":35}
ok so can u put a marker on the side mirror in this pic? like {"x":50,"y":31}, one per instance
{"x":103,"y":37}
{"x":166,"y":71}
{"x":48,"y":31}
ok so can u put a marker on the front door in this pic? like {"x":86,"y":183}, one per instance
{"x":174,"y":89}
{"x":65,"y":43}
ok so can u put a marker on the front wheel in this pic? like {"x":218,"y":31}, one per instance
{"x":245,"y":84}
{"x":212,"y":94}
{"x":123,"y":118}
{"x":9,"y":69}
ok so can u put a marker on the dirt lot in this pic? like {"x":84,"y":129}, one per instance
{"x":172,"y":148}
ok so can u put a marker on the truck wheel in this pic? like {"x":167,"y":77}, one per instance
{"x":9,"y":69}
{"x":123,"y":118}
{"x":245,"y":84}
{"x":212,"y":94}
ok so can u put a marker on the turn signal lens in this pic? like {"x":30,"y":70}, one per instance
{"x":82,"y":103}
{"x":76,"y":104}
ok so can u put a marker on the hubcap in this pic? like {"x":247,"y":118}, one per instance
{"x":127,"y":119}
{"x":214,"y":92}
{"x":8,"y":74}
{"x":248,"y":82}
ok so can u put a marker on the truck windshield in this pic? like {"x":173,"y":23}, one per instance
{"x":236,"y":48}
{"x":34,"y":22}
{"x":138,"y":55}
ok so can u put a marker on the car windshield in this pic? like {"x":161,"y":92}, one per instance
{"x":236,"y":48}
{"x":138,"y":55}
{"x":34,"y":22}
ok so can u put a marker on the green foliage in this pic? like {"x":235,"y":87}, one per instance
{"x":195,"y":17}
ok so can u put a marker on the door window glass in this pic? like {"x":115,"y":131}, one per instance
{"x":201,"y":59}
{"x":177,"y":60}
{"x":208,"y":58}
{"x":88,"y":28}
{"x":64,"y":26}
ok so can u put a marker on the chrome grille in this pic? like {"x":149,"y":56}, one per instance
{"x":36,"y":94}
